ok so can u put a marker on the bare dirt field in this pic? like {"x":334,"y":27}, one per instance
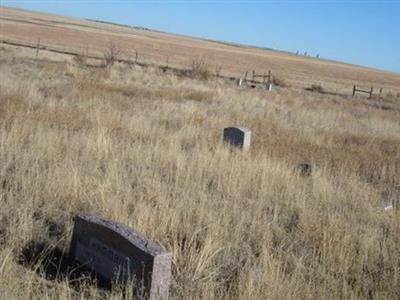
{"x":143,"y":146}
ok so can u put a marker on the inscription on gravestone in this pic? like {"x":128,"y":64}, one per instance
{"x":238,"y":137}
{"x":118,"y":253}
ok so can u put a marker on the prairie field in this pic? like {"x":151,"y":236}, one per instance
{"x":143,"y":147}
{"x":154,"y":47}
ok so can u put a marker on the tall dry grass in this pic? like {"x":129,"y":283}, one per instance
{"x":144,"y":148}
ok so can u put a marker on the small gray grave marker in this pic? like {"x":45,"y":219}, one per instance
{"x":117,"y":252}
{"x":268,"y":86}
{"x":238,"y":137}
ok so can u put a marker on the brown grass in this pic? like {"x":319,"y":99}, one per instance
{"x":145,"y":148}
{"x":199,"y":69}
{"x":76,"y":34}
{"x":111,"y":54}
{"x":279,"y":81}
{"x":316,"y":88}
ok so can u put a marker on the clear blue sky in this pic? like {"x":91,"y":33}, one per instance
{"x":359,"y":32}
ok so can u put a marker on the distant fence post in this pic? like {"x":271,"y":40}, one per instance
{"x":218,"y":71}
{"x":254,"y":73}
{"x":370,"y":92}
{"x":37,"y":47}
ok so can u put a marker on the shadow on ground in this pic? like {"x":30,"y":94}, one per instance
{"x":53,"y":264}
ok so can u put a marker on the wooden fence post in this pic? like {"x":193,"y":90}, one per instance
{"x":254,"y":73}
{"x":218,"y":71}
{"x":354,"y":90}
{"x":37,"y":47}
{"x":370,"y":93}
{"x":245,"y":76}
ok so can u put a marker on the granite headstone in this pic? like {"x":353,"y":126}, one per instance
{"x":118,"y":253}
{"x":238,"y":137}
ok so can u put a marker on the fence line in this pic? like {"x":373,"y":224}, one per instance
{"x":266,"y":77}
{"x":370,"y":92}
{"x":71,"y":51}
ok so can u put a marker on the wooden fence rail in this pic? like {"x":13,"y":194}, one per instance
{"x":96,"y":55}
{"x":369,"y":92}
{"x":266,"y":77}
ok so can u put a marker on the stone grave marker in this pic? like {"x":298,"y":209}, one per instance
{"x":304,"y":169}
{"x":268,"y":86}
{"x":238,"y":137}
{"x":117,"y":253}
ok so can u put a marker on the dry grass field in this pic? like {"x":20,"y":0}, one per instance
{"x":144,"y":147}
{"x":156,"y":47}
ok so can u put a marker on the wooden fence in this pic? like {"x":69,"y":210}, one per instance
{"x":266,"y":77}
{"x":370,"y":92}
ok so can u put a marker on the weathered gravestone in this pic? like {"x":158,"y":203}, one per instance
{"x":238,"y":137}
{"x":268,"y":86}
{"x":117,"y":253}
{"x":304,"y":169}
